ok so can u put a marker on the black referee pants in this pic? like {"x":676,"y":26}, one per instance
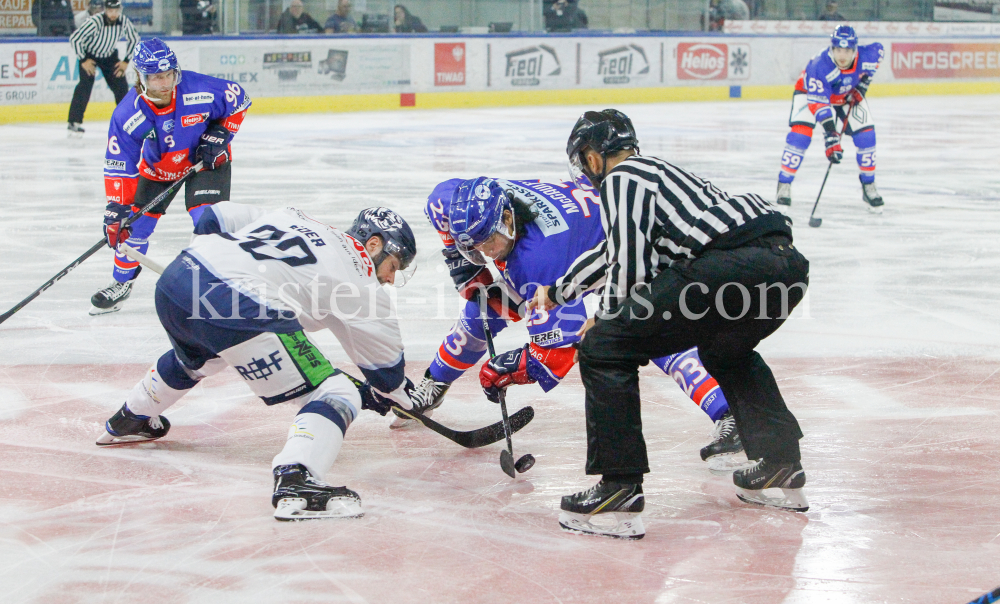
{"x":615,"y":348}
{"x":81,"y":96}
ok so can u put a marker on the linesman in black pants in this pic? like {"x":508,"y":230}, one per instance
{"x":94,"y":44}
{"x":684,"y":264}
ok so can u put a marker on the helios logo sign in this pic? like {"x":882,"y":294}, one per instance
{"x":704,"y":61}
{"x":622,"y":64}
{"x":527,"y":66}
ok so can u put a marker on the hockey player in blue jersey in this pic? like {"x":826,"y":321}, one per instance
{"x":832,"y":87}
{"x":163,"y":127}
{"x":532,"y":231}
{"x":244,"y":294}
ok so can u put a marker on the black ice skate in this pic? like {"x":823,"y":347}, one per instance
{"x":608,"y":509}
{"x":299,"y":496}
{"x":126,"y":427}
{"x":724,"y":453}
{"x":111,"y":298}
{"x":872,"y":198}
{"x":426,"y":397}
{"x":74,"y":130}
{"x":789,"y":477}
{"x":784,"y":195}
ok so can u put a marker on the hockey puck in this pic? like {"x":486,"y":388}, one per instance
{"x":525,"y":463}
{"x":815,"y":222}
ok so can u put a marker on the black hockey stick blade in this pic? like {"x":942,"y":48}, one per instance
{"x":815,"y":222}
{"x":507,"y":463}
{"x":100,"y":244}
{"x":473,"y":439}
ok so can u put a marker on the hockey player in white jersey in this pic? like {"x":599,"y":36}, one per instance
{"x":243,"y":294}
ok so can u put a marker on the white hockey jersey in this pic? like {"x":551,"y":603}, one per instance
{"x":266,"y":270}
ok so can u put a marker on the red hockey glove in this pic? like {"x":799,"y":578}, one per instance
{"x":114,"y":224}
{"x":213,"y":150}
{"x":834,"y":152}
{"x":502,"y":370}
{"x":861,"y":90}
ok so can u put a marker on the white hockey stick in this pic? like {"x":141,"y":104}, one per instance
{"x":141,"y":258}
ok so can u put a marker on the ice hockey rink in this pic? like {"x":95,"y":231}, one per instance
{"x":891,"y":365}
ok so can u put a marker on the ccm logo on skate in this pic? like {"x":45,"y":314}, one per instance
{"x":190,"y":120}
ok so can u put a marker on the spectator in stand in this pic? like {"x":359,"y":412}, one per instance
{"x":93,"y":8}
{"x":53,"y":18}
{"x":563,"y":15}
{"x":831,"y":14}
{"x":296,"y":21}
{"x":720,"y":11}
{"x":406,"y":23}
{"x":340,"y":22}
{"x":197,"y":17}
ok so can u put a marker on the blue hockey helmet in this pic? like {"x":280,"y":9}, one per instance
{"x":476,"y":214}
{"x":397,"y":239}
{"x":154,"y":56}
{"x":844,"y":37}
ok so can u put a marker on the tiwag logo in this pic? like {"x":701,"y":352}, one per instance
{"x":704,"y":61}
{"x":449,"y":64}
{"x":527,"y":66}
{"x":621,"y":64}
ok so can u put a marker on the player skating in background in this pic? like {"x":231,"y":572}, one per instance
{"x":243,"y":294}
{"x":834,"y":83}
{"x":162,"y":127}
{"x":532,"y":232}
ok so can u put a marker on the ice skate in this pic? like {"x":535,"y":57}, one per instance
{"x":426,"y":397}
{"x":725,"y":453}
{"x":753,"y":482}
{"x":74,"y":130}
{"x":126,"y":427}
{"x":299,"y":496}
{"x":608,"y":509}
{"x":872,"y":198}
{"x":784,"y":195}
{"x":111,"y":298}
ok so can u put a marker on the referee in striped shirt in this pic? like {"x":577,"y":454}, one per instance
{"x":94,"y":43}
{"x":684,"y":264}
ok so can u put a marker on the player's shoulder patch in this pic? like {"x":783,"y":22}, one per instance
{"x":134,"y":121}
{"x":198,"y":98}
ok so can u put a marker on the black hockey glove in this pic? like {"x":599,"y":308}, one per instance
{"x":831,"y":138}
{"x":114,"y":224}
{"x":461,"y":270}
{"x":503,"y":370}
{"x":213,"y":151}
{"x":374,"y":400}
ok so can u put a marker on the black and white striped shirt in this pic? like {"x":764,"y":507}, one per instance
{"x":97,"y":37}
{"x":653,"y":214}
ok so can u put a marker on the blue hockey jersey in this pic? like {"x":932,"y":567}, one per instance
{"x":160,"y":142}
{"x":826,"y":84}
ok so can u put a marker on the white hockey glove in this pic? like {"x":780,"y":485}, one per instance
{"x":381,"y":403}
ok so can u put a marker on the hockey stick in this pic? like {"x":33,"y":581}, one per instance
{"x":813,"y":221}
{"x":142,"y":259}
{"x":97,"y":246}
{"x":472,"y":439}
{"x":990,"y":598}
{"x":507,"y":455}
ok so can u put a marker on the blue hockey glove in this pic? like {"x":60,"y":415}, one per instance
{"x":213,"y":151}
{"x":374,"y":400}
{"x":503,"y":370}
{"x":114,"y":223}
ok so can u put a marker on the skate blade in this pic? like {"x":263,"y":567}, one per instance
{"x":727,"y":463}
{"x":792,"y":499}
{"x":405,"y":422}
{"x":875,"y":209}
{"x":622,"y":525}
{"x":108,"y":439}
{"x":94,"y":311}
{"x":336,"y":507}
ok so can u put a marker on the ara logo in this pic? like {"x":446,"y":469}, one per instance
{"x":703,"y":61}
{"x":527,"y":66}
{"x":620,"y":65}
{"x":261,"y":369}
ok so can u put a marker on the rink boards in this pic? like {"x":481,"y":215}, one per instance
{"x":353,"y":73}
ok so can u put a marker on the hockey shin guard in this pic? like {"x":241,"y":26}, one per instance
{"x":139,"y":240}
{"x":796,"y":144}
{"x":163,"y":385}
{"x":315,"y":437}
{"x":690,"y":374}
{"x":864,"y":141}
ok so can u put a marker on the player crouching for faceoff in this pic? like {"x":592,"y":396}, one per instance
{"x":532,"y":232}
{"x":832,"y":87}
{"x":243,"y":294}
{"x":162,"y":127}
{"x":680,"y":257}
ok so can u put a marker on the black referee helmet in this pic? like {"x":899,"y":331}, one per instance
{"x":605,"y":132}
